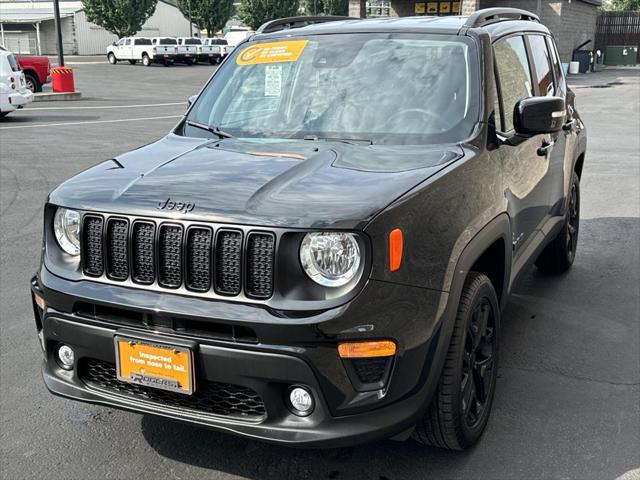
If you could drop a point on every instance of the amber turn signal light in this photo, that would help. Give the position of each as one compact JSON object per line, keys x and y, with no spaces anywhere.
{"x":378,"y":348}
{"x":39,"y":301}
{"x":395,"y":249}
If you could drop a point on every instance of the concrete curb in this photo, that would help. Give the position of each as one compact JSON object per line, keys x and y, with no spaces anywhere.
{"x":56,"y":96}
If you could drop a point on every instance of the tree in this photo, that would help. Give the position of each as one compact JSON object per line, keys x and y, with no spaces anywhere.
{"x":326,"y":7}
{"x":212,"y":15}
{"x":122,"y":17}
{"x":255,"y":12}
{"x":622,"y":5}
{"x":336,"y":7}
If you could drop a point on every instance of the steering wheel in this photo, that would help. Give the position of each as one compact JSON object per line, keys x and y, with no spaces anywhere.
{"x":420,"y":115}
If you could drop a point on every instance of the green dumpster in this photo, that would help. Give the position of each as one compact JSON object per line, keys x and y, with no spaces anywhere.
{"x":621,"y":55}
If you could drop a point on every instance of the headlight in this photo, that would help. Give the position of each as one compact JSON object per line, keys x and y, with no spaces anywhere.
{"x":331,"y":259}
{"x":66,"y":226}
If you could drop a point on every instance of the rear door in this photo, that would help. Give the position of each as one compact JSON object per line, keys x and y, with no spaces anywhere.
{"x":126,"y":50}
{"x":525,"y":170}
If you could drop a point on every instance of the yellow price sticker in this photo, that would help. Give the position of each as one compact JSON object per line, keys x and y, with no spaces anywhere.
{"x":432,"y":7}
{"x":271,"y":52}
{"x":419,"y":7}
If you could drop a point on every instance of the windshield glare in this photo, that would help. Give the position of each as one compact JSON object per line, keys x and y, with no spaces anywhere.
{"x":383,"y":88}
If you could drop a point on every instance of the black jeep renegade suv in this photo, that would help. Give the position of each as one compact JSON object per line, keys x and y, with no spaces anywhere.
{"x":319,"y":252}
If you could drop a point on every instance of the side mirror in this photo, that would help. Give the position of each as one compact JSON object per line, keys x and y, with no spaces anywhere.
{"x":536,"y":115}
{"x":191,"y":99}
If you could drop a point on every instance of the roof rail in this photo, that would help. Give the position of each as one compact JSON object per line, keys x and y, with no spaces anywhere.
{"x":493,"y":15}
{"x":297,"y":22}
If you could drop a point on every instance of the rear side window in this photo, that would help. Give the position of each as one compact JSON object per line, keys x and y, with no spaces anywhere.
{"x":13,"y":63}
{"x":514,"y":76}
{"x":192,"y":41}
{"x":168,"y":41}
{"x":542,"y":63}
{"x":557,"y":66}
{"x":142,"y":41}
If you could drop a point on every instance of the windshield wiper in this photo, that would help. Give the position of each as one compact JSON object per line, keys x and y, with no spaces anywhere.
{"x":350,"y":141}
{"x":212,"y":129}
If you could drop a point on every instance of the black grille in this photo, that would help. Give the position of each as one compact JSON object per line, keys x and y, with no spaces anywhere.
{"x":196,"y":257}
{"x":143,"y":252}
{"x":370,"y":370}
{"x":118,"y":249}
{"x":228,"y":262}
{"x":199,"y":259}
{"x":209,"y":397}
{"x":170,"y":256}
{"x":260,"y":248}
{"x":92,"y":246}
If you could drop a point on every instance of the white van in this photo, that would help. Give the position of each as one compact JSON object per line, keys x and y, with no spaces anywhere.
{"x":236,"y":35}
{"x":14,"y":93}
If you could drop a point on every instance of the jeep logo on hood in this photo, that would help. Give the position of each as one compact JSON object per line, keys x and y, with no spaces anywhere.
{"x":169,"y":204}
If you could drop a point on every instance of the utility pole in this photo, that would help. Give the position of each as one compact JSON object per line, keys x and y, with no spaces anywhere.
{"x":190,"y":21}
{"x":56,"y":14}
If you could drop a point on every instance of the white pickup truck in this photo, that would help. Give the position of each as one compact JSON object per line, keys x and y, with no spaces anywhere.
{"x":188,"y":50}
{"x":136,"y":49}
{"x":219,"y":48}
{"x":167,"y":47}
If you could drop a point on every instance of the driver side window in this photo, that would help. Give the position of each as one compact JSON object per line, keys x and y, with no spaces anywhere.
{"x":513,"y":77}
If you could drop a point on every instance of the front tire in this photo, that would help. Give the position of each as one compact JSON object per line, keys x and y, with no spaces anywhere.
{"x":461,"y":405}
{"x":112,"y":58}
{"x":558,"y":256}
{"x":146,"y":61}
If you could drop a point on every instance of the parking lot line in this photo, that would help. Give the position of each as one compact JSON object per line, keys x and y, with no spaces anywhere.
{"x":109,"y":106}
{"x":62,"y":124}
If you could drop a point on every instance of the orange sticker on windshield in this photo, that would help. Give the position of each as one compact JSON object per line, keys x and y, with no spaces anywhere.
{"x":271,"y":52}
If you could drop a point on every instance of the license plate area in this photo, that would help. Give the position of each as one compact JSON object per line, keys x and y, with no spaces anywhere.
{"x":154,"y":364}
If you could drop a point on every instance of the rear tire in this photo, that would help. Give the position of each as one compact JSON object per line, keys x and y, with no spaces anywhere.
{"x":112,"y":58}
{"x":558,"y":256}
{"x":461,"y":405}
{"x":146,"y":61}
{"x":32,"y":83}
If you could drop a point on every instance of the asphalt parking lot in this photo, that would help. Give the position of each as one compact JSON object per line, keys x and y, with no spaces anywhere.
{"x":568,"y":395}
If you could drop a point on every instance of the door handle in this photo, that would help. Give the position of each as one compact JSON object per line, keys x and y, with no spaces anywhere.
{"x":545,"y":148}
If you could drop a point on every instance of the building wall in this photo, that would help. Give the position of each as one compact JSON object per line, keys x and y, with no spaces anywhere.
{"x":167,"y":20}
{"x":48,"y":37}
{"x":571,"y":21}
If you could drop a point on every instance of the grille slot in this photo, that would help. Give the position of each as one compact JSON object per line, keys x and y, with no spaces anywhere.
{"x":199,"y":259}
{"x":170,"y":256}
{"x":370,"y":370}
{"x":228,"y":262}
{"x":117,"y":249}
{"x":143,"y":252}
{"x":212,"y":398}
{"x":260,"y":247}
{"x":92,"y":254}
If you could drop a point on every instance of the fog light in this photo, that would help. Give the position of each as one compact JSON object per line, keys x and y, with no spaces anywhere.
{"x":301,"y":401}
{"x":65,"y":357}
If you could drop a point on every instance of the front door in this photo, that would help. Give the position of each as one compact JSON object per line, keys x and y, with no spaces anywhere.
{"x":526,"y":162}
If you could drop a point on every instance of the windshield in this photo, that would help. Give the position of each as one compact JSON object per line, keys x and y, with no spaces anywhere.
{"x":379,"y":88}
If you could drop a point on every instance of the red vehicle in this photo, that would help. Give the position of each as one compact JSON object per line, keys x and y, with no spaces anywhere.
{"x":37,"y":71}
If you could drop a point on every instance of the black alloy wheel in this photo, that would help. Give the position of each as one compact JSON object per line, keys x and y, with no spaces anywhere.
{"x":460,"y":407}
{"x":559,"y":254}
{"x":477,"y":381}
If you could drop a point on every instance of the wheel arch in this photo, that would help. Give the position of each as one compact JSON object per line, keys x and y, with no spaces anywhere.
{"x":488,"y":252}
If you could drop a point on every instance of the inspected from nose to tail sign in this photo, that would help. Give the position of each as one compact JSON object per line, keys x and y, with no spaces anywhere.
{"x":300,"y":264}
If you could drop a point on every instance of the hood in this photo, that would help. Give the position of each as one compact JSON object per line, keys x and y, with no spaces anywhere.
{"x":296,"y":184}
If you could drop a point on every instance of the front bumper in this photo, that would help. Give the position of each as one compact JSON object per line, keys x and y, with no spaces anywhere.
{"x":285,"y":352}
